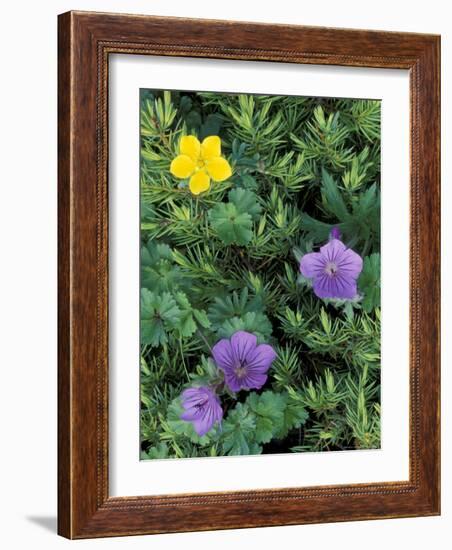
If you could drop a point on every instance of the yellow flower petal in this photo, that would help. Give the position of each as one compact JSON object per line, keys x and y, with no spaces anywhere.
{"x":182,"y":166}
{"x":190,"y":146}
{"x":219,"y":169}
{"x":199,"y":182}
{"x":211,"y":147}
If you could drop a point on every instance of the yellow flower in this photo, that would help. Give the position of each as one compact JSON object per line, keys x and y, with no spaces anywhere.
{"x":200,"y":162}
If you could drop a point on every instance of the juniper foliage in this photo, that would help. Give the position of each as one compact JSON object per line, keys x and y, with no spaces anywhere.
{"x":228,"y":260}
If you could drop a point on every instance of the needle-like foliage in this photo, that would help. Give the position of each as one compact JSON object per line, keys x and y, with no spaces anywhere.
{"x":228,"y":260}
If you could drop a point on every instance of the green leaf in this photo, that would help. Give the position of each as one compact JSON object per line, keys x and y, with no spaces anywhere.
{"x":238,"y":432}
{"x":185,"y":104}
{"x":332,"y":197}
{"x":254,"y":322}
{"x":193,"y":121}
{"x":369,"y":282}
{"x":231,"y":226}
{"x":158,"y":451}
{"x":245,"y":201}
{"x":368,"y":200}
{"x":360,"y":225}
{"x":248,"y":182}
{"x":158,"y":270}
{"x":295,"y":415}
{"x":211,"y":126}
{"x":186,"y":325}
{"x":269,"y":410}
{"x":159,"y":315}
{"x":232,"y":305}
{"x":316,"y":230}
{"x":201,"y":317}
{"x":206,"y":373}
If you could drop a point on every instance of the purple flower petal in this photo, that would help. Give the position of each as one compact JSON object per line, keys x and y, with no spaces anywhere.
{"x":255,"y":381}
{"x":223,"y":355}
{"x":350,"y":263}
{"x":192,"y":396}
{"x":242,"y":344}
{"x":204,"y":424}
{"x":202,"y":408}
{"x":191,"y":414}
{"x":312,"y":264}
{"x":233,"y":382}
{"x":338,"y":287}
{"x":201,"y":426}
{"x":261,"y":358}
{"x":333,"y":250}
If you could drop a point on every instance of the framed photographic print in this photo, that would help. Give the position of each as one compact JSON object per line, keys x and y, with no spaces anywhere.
{"x":248,"y":275}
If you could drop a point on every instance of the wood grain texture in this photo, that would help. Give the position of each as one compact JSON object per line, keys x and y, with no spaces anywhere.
{"x":85,"y":42}
{"x":64,"y":294}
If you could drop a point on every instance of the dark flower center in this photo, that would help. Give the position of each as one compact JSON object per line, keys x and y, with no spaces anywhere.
{"x":331,"y":269}
{"x":200,"y":404}
{"x":240,"y":370}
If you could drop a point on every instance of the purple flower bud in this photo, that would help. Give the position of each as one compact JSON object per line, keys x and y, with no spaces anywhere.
{"x":335,"y":233}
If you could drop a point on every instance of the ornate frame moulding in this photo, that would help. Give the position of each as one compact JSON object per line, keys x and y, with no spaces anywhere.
{"x":86,"y":40}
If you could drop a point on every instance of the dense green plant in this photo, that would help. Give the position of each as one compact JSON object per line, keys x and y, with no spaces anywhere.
{"x":228,"y":260}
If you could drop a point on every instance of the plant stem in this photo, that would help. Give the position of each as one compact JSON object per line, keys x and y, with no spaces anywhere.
{"x":204,"y":339}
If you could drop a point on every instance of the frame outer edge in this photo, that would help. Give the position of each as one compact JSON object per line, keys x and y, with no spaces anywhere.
{"x":433,"y":176}
{"x":64,"y":277}
{"x":438,"y":175}
{"x":426,"y":235}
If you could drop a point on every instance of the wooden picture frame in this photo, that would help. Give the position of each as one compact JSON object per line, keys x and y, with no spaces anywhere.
{"x":85,"y":42}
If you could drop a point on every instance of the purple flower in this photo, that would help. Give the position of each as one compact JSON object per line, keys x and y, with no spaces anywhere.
{"x":334,"y":270}
{"x":202,"y":408}
{"x":244,"y":363}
